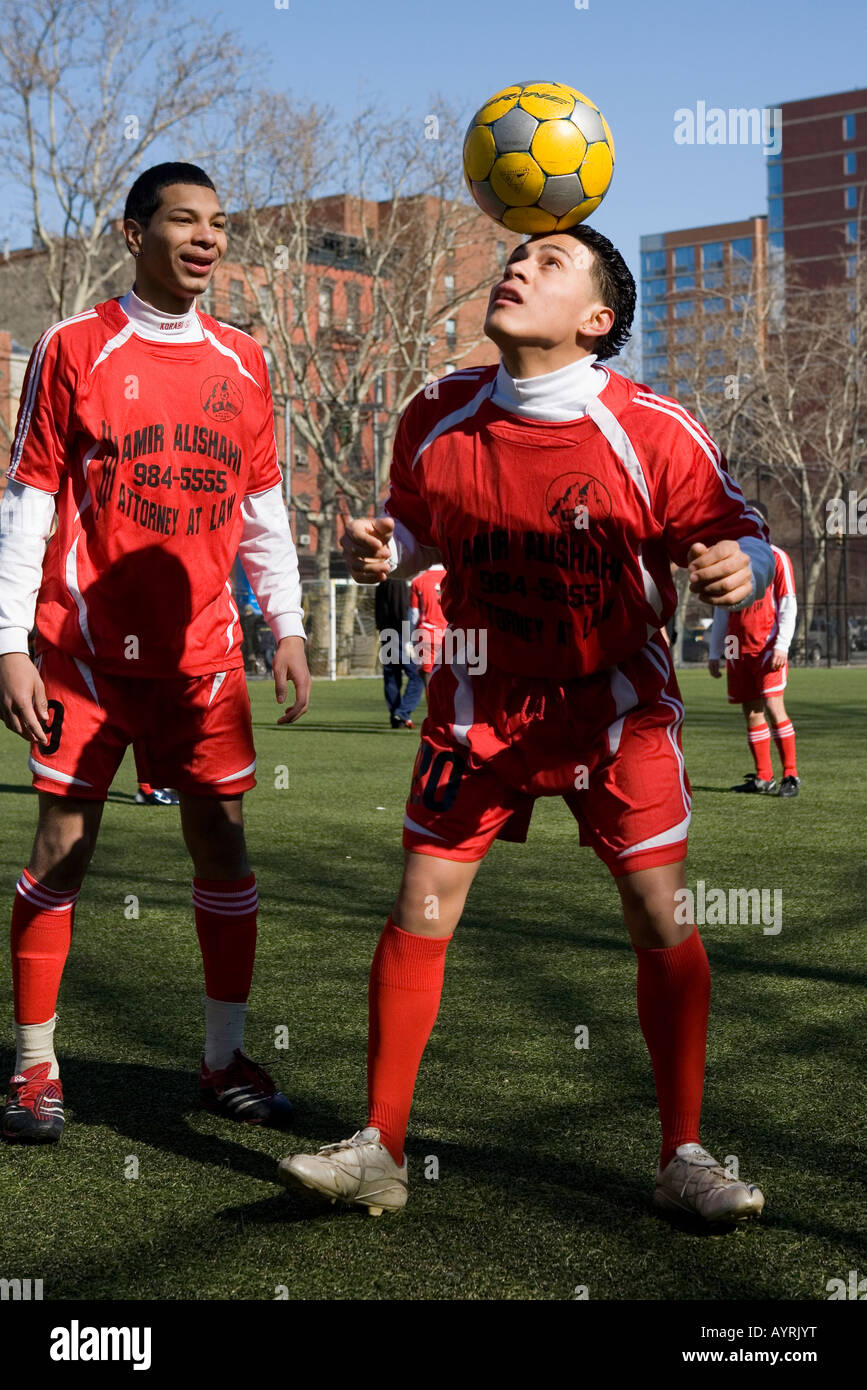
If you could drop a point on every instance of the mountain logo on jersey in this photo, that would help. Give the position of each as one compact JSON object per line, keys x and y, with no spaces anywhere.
{"x":221,"y":398}
{"x":573,"y":499}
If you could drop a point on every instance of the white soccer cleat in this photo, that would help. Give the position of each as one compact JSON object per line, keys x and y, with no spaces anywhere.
{"x":359,"y":1171}
{"x":694,"y":1182}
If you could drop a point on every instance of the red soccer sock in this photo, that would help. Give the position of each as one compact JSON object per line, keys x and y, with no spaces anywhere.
{"x":406,"y":981}
{"x":226,"y":927}
{"x":759,"y":739}
{"x":673,"y":1004}
{"x":784,"y":737}
{"x":40,"y":938}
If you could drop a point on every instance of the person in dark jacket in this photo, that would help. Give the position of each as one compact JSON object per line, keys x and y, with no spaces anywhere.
{"x":392,"y":620}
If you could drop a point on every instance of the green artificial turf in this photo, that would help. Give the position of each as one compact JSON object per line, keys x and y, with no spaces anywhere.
{"x":545,"y":1153}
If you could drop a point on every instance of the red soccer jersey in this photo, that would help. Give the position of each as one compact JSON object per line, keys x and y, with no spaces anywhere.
{"x":557,"y":537}
{"x":426,"y":598}
{"x":756,"y":627}
{"x":150,"y":449}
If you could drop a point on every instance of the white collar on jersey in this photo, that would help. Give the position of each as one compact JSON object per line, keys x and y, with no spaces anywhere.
{"x":560,"y":395}
{"x":158,"y":327}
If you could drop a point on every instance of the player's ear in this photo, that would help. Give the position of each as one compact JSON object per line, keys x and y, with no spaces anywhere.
{"x":132,"y":233}
{"x":598,"y":321}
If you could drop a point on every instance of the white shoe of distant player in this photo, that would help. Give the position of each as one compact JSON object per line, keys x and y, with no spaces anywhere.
{"x":694,"y":1182}
{"x":359,"y":1171}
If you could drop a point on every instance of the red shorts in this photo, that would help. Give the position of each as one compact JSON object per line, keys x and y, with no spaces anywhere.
{"x":751,"y":678}
{"x":193,"y":733}
{"x":428,"y":646}
{"x":609,"y":745}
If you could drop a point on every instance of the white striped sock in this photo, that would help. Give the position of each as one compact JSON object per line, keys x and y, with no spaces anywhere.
{"x":34,"y":1043}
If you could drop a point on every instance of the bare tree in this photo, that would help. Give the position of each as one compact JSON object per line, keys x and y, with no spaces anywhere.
{"x":349,"y":289}
{"x":88,"y":90}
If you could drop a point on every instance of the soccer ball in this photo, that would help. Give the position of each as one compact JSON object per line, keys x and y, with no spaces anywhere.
{"x":538,"y":157}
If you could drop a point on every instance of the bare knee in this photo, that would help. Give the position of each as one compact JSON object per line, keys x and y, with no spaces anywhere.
{"x":651,"y":900}
{"x":213,"y":831}
{"x":432,"y":894}
{"x":64,"y":843}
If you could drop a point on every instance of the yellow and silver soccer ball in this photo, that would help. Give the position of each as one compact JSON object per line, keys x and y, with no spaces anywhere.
{"x":538,"y":157}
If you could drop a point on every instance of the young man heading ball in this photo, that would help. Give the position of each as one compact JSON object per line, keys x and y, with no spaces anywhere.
{"x":556,"y":493}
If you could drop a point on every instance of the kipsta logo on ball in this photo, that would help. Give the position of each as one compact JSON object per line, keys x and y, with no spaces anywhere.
{"x":538,"y":157}
{"x":221,"y":398}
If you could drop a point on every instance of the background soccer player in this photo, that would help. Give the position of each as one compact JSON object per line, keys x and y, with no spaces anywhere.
{"x":556,"y":493}
{"x":427,"y":618}
{"x":756,"y":672}
{"x":391,"y":608}
{"x":148,"y":427}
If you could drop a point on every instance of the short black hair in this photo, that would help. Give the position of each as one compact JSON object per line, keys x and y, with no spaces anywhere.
{"x":143,"y":198}
{"x":615,"y":285}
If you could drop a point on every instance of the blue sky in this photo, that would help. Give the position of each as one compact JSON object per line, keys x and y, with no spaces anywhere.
{"x":639,"y":61}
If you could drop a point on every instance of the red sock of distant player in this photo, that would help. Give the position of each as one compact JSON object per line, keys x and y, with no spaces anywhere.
{"x":41,"y":934}
{"x":784,"y":737}
{"x":759,"y":739}
{"x":673,"y":1004}
{"x":406,"y":981}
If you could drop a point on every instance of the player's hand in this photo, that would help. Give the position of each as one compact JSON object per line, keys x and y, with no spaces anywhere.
{"x":713,"y":667}
{"x":290,"y":664}
{"x":778,"y":660}
{"x":365,"y":548}
{"x":720,"y":575}
{"x":23,"y":706}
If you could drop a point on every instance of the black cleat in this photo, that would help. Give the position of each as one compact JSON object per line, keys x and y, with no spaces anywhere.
{"x":243,"y":1091}
{"x":756,"y":786}
{"x":790,"y":786}
{"x":34,"y":1107}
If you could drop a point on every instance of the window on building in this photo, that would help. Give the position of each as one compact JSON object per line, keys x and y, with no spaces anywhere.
{"x":652,"y":314}
{"x":715,"y":358}
{"x":685,"y":362}
{"x":655,"y":341}
{"x":775,"y":214}
{"x":299,"y":456}
{"x":849,"y":127}
{"x":713,"y":332}
{"x":684,"y":309}
{"x":237,"y":308}
{"x":683,"y":388}
{"x":684,"y":282}
{"x":850,"y":197}
{"x":851,"y":233}
{"x":653,"y":290}
{"x":451,"y":333}
{"x":740,"y":302}
{"x":326,"y":303}
{"x":684,"y":335}
{"x":353,"y":308}
{"x":660,"y":384}
{"x":775,"y":178}
{"x":714,"y":305}
{"x":850,"y":163}
{"x":653,"y":262}
{"x":775,"y":244}
{"x":851,"y":266}
{"x":713,"y":279}
{"x":450,"y":286}
{"x":742,"y":248}
{"x":712,"y":254}
{"x":684,"y":258}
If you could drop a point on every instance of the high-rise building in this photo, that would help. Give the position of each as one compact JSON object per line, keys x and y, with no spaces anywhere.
{"x":817,"y":186}
{"x":696,"y":284}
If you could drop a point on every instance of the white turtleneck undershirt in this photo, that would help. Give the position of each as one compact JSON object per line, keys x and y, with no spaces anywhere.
{"x":157,"y":327}
{"x":560,"y":395}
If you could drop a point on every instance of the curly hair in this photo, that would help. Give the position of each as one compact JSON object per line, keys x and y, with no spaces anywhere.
{"x":616,"y":287}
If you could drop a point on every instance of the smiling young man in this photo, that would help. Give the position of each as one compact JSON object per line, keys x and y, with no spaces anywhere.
{"x":556,"y":494}
{"x":147,"y":428}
